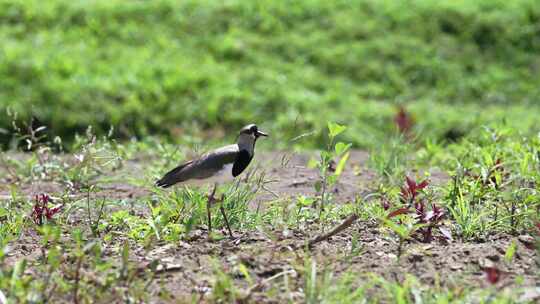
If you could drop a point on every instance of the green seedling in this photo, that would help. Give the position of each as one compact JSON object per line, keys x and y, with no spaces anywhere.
{"x":404,"y":231}
{"x":329,"y":171}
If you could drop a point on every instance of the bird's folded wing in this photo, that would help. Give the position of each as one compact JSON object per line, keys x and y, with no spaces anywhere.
{"x":202,"y":167}
{"x":214,"y":161}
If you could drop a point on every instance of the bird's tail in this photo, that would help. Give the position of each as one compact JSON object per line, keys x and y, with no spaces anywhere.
{"x":162,"y":183}
{"x":172,"y":177}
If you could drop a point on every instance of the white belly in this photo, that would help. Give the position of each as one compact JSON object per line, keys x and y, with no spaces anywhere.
{"x":220,"y":177}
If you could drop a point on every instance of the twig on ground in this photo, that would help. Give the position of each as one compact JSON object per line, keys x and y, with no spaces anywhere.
{"x":346,"y":224}
{"x":168,"y":268}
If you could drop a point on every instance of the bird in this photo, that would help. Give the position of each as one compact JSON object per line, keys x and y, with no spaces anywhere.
{"x":225,"y":162}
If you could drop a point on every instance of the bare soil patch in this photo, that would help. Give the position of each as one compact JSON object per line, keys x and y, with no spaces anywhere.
{"x":188,"y":265}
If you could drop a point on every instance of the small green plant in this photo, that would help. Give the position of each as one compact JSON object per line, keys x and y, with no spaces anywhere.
{"x":389,"y":159}
{"x":329,"y":169}
{"x":323,"y":286}
{"x":356,"y":248}
{"x":30,"y":136}
{"x":224,"y":288}
{"x":92,"y":157}
{"x":469,"y":219}
{"x":398,"y":292}
{"x":94,"y":220}
{"x":404,"y":230}
{"x":510,"y":252}
{"x":12,"y":220}
{"x":172,"y":216}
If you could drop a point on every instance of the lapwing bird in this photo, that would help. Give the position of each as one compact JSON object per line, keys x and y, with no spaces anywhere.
{"x":226,"y":162}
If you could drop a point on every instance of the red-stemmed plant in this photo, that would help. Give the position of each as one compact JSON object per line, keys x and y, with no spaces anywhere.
{"x":425,"y":217}
{"x":410,"y":191}
{"x":41,"y":209}
{"x":404,"y":121}
{"x":430,"y":219}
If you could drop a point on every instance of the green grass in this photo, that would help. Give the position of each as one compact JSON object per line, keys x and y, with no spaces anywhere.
{"x":166,"y":67}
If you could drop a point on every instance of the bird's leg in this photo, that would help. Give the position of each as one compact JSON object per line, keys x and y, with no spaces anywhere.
{"x":211,"y":200}
{"x":225,"y":216}
{"x":209,"y":219}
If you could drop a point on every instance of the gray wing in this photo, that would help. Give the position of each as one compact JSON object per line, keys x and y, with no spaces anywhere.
{"x":200,"y":168}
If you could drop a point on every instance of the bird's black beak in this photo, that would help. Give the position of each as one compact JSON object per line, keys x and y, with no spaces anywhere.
{"x":259,"y":133}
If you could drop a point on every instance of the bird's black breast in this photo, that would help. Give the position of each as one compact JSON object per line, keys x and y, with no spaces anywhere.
{"x":241,"y":162}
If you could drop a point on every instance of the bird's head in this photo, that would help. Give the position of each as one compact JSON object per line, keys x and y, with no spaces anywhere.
{"x":250,"y":133}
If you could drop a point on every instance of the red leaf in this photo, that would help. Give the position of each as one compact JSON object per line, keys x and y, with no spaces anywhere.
{"x":420,"y":209}
{"x":398,"y":212}
{"x":403,"y":120}
{"x":404,"y":194}
{"x":437,"y":212}
{"x":411,"y":189}
{"x":43,"y":198}
{"x":410,"y":183}
{"x":49,"y":213}
{"x":422,"y":185}
{"x":37,"y":213}
{"x":493,"y":275}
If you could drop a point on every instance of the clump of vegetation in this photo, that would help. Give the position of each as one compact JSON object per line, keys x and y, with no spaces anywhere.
{"x":493,"y":183}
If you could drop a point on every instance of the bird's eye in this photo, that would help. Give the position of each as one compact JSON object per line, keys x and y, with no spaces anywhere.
{"x":253,"y":129}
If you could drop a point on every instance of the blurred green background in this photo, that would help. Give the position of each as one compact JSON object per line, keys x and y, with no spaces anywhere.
{"x":171,"y":68}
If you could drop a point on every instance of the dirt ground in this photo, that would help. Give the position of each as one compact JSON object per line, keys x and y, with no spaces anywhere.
{"x":188,"y":270}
